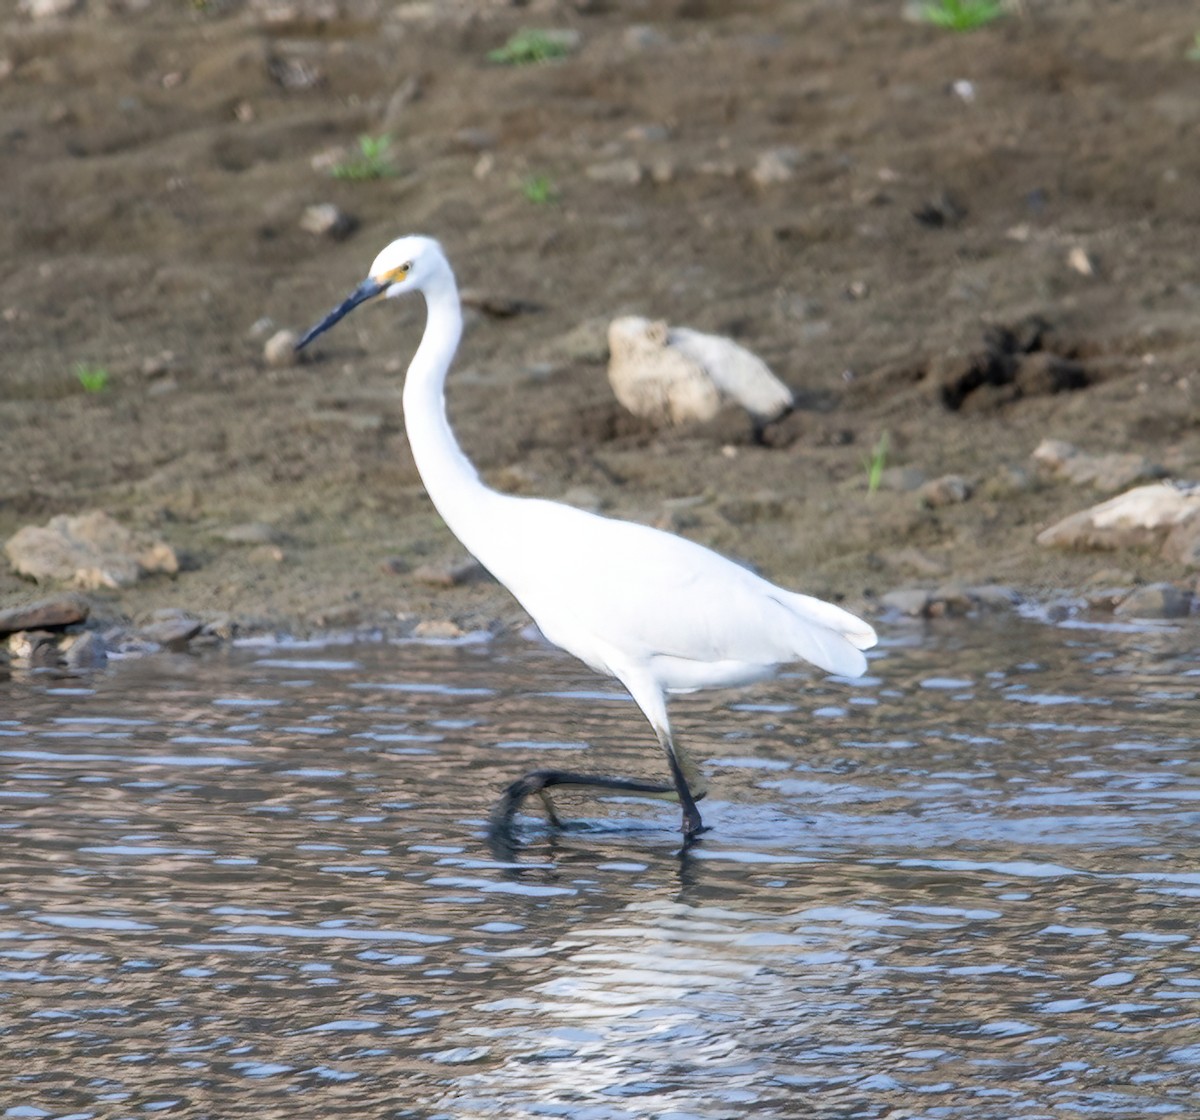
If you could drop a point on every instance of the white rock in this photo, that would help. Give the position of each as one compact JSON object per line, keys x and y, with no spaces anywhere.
{"x":626,"y":172}
{"x":678,"y":375}
{"x":280,"y":349}
{"x":48,"y":9}
{"x":777,"y":165}
{"x":1143,"y":515}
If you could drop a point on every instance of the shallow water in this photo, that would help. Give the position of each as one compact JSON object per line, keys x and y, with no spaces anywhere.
{"x":257,"y":884}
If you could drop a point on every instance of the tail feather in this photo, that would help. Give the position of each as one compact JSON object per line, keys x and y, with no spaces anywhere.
{"x":831,"y":638}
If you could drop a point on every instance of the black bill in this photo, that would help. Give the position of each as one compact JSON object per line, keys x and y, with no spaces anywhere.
{"x":368,"y":289}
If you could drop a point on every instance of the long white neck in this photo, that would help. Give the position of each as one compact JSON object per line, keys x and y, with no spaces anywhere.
{"x":451,"y":481}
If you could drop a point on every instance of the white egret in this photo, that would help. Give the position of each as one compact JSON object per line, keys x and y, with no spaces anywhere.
{"x":659,"y":613}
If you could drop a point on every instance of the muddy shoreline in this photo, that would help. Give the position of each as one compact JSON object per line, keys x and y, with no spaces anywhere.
{"x":927,"y":196}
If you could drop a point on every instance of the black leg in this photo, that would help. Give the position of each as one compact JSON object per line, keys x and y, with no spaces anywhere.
{"x":538,"y":781}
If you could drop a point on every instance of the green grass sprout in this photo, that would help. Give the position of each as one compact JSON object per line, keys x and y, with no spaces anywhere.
{"x":529,"y":46}
{"x":94,"y":379}
{"x":875,"y":462}
{"x":1194,"y":50}
{"x":539,"y":189}
{"x":961,"y":15}
{"x":374,"y":160}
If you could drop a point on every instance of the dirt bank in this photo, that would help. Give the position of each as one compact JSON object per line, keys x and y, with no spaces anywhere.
{"x":860,"y":198}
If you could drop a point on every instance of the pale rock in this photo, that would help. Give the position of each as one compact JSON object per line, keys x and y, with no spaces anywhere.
{"x":248,"y":533}
{"x":83,"y":651}
{"x":675,"y":375}
{"x":950,"y":489}
{"x":324,"y":219}
{"x":280,"y":349}
{"x":89,"y":550}
{"x":912,"y":601}
{"x":903,"y":479}
{"x":45,"y":614}
{"x":48,"y":9}
{"x":451,"y":574}
{"x":1106,"y":473}
{"x":1146,"y":515}
{"x":623,"y":172}
{"x":1156,"y":600}
{"x":777,"y":165}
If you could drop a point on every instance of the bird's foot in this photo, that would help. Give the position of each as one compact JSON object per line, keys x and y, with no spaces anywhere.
{"x":541,"y":781}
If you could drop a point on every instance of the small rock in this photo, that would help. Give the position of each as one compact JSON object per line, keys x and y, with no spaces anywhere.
{"x":994,"y":596}
{"x":34,"y":649}
{"x":1106,"y":473}
{"x":917,"y":561}
{"x":265,"y":555}
{"x":950,"y":599}
{"x":1079,"y":261}
{"x":648,"y":133}
{"x":950,"y":489}
{"x":663,"y":170}
{"x":914,"y":601}
{"x":48,"y":9}
{"x":452,"y":574}
{"x":1156,"y":600}
{"x":159,"y":365}
{"x":586,"y":342}
{"x":625,"y":172}
{"x":252,"y":532}
{"x":280,"y":349}
{"x":642,"y":37}
{"x":84,"y":651}
{"x":903,"y":479}
{"x":172,"y":633}
{"x":437,"y":629}
{"x":90,"y":550}
{"x":778,"y":165}
{"x":1183,"y":542}
{"x":475,"y":139}
{"x":325,"y":220}
{"x":45,"y":614}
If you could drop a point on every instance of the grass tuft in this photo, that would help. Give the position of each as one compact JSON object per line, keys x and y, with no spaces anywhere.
{"x":539,"y":190}
{"x":374,"y":160}
{"x":875,"y":463}
{"x":961,"y":15}
{"x":529,"y":46}
{"x":94,"y":379}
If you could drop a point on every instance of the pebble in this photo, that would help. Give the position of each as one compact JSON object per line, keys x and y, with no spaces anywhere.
{"x":250,"y":532}
{"x":950,"y":489}
{"x":173,"y":631}
{"x":324,"y":219}
{"x":48,"y":9}
{"x":950,"y":599}
{"x":586,"y":342}
{"x":45,"y":614}
{"x":280,"y":349}
{"x":454,"y":573}
{"x":1156,"y":600}
{"x":87,"y":650}
{"x":1106,"y":473}
{"x":777,"y":165}
{"x":903,"y":479}
{"x":623,"y":172}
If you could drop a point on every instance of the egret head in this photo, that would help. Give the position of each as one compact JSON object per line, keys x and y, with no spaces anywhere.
{"x":408,"y":264}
